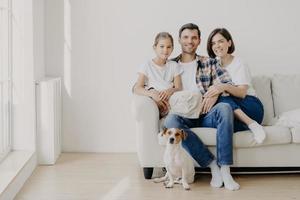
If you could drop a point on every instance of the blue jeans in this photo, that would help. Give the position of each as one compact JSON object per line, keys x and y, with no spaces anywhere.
{"x":219,"y":117}
{"x":250,"y":105}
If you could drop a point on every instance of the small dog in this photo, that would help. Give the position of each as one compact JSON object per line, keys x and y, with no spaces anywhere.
{"x":179,"y":164}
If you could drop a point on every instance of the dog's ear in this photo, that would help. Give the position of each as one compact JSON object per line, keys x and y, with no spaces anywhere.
{"x":183,"y":134}
{"x":164,"y":131}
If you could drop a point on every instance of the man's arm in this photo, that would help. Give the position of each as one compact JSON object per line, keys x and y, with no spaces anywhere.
{"x":219,"y":74}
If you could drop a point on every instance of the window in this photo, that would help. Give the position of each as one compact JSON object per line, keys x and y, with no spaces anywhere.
{"x":5,"y":77}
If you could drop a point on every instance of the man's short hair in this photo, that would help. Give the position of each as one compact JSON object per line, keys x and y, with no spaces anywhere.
{"x":190,"y":26}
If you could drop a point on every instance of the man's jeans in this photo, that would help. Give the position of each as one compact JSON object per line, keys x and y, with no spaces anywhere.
{"x":221,"y":118}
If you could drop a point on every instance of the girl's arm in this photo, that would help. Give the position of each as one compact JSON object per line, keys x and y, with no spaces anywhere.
{"x":177,"y":85}
{"x":140,"y":89}
{"x":166,"y":94}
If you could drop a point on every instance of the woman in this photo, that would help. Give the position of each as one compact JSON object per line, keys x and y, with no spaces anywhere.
{"x":247,"y":108}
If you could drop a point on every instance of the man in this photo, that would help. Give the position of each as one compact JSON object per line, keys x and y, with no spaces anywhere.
{"x":199,"y":74}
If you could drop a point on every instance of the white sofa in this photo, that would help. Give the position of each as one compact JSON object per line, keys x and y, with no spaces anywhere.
{"x":280,"y":150}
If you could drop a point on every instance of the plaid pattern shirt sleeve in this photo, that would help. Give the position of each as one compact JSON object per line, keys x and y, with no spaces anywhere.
{"x":209,"y":72}
{"x":220,"y":75}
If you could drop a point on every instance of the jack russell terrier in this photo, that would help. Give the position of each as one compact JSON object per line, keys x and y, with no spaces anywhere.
{"x":179,"y":164}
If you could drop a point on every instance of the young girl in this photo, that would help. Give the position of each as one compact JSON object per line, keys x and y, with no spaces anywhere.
{"x":247,"y":107}
{"x":159,"y":77}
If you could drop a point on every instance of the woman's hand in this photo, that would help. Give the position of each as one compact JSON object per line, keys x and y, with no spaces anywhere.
{"x":215,"y":90}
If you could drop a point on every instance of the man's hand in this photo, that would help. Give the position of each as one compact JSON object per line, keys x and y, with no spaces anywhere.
{"x":208,"y":103}
{"x":215,"y":90}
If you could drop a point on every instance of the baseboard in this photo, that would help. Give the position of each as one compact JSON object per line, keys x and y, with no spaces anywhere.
{"x":21,"y":171}
{"x":255,"y":170}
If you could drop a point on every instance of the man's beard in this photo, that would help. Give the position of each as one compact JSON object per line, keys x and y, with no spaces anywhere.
{"x":190,"y":52}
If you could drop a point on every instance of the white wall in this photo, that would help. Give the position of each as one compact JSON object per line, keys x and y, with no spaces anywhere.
{"x":23,"y":107}
{"x":38,"y":10}
{"x":96,"y":45}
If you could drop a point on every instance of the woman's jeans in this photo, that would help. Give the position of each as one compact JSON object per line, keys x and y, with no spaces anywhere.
{"x":219,"y":117}
{"x":250,"y":105}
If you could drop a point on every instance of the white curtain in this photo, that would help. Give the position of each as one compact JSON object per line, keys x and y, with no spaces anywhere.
{"x":5,"y":77}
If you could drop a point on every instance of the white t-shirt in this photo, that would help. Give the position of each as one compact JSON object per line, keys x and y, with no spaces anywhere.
{"x":188,"y":76}
{"x":240,"y":74}
{"x":160,"y":77}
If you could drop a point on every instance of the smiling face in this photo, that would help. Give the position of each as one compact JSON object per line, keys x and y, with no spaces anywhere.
{"x":163,"y":48}
{"x":220,"y":45}
{"x":189,"y":41}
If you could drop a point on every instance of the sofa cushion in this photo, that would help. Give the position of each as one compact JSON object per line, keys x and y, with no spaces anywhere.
{"x":244,"y":139}
{"x":286,"y":93}
{"x":262,"y":86}
{"x":295,"y":134}
{"x":289,"y":119}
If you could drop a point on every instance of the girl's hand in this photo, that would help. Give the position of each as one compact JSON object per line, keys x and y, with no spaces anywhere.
{"x":165,"y":94}
{"x":215,"y":90}
{"x":155,"y":95}
{"x":163,"y":107}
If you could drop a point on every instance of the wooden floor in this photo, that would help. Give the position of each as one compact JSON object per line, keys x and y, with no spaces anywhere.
{"x":118,"y":176}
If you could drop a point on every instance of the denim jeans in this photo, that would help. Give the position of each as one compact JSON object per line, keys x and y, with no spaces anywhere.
{"x":219,"y":117}
{"x":250,"y":105}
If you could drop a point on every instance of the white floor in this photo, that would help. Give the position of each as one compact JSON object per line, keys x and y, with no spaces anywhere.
{"x":83,"y":176}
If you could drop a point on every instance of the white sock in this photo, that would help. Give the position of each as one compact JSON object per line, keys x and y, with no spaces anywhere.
{"x":258,"y":131}
{"x":229,"y":183}
{"x":216,"y":179}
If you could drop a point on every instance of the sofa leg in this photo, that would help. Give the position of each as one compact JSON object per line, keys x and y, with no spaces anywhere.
{"x":148,"y":172}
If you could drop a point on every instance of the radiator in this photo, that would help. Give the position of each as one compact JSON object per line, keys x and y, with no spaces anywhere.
{"x":48,"y":98}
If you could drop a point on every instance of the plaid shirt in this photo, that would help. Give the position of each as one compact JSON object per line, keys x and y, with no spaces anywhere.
{"x":209,"y":72}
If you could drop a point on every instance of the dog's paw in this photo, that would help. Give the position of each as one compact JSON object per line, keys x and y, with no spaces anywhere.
{"x":169,"y":185}
{"x":160,"y":179}
{"x":157,"y":180}
{"x":186,"y":186}
{"x":178,"y":181}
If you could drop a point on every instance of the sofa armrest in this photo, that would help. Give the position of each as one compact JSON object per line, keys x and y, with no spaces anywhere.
{"x":144,"y":107}
{"x":146,"y":116}
{"x":296,"y":134}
